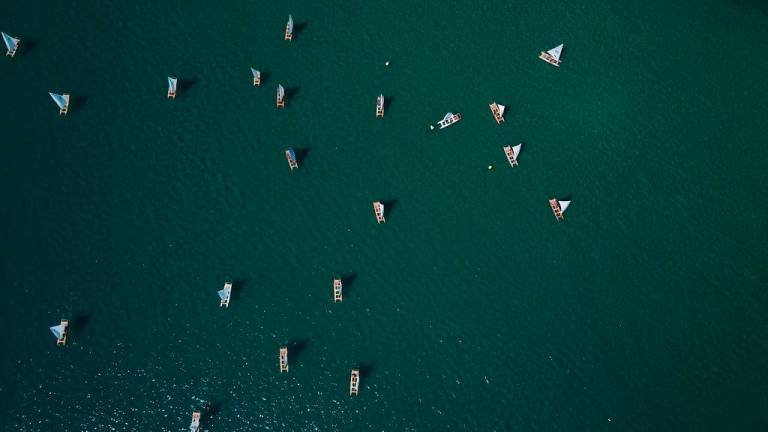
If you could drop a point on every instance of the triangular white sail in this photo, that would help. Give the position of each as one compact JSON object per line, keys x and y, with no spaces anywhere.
{"x":380,"y":99}
{"x":563,"y":205}
{"x":381,"y":208}
{"x":280,"y":92}
{"x":555,"y":52}
{"x":10,"y":42}
{"x":223,"y":293}
{"x":256,"y":74}
{"x":58,"y":331}
{"x":172,"y":84}
{"x":61,"y":100}
{"x":516,"y":150}
{"x":501,"y":109}
{"x":289,"y":26}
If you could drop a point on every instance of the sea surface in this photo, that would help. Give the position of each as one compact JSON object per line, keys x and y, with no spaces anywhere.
{"x":471,"y":308}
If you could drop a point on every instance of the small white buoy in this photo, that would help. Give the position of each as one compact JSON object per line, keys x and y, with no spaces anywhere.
{"x":386,"y":63}
{"x":431,"y":127}
{"x":490,"y":167}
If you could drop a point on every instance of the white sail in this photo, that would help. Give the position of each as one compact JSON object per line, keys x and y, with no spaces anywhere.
{"x":381,"y":209}
{"x":501,"y":109}
{"x":563,"y":205}
{"x":256,"y":74}
{"x":555,"y":52}
{"x":172,"y":84}
{"x":10,"y":42}
{"x":223,"y":293}
{"x":58,"y":331}
{"x":61,"y":100}
{"x":280,"y":92}
{"x":516,"y":150}
{"x":289,"y":26}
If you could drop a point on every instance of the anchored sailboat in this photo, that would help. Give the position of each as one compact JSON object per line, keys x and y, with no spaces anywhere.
{"x":290,"y":155}
{"x":289,"y":28}
{"x":225,"y":294}
{"x":11,"y":43}
{"x":62,"y":101}
{"x":60,"y":331}
{"x":195,"y":425}
{"x":378,"y":210}
{"x":558,"y":207}
{"x":256,"y":77}
{"x":552,"y":56}
{"x":380,"y":106}
{"x":512,"y":153}
{"x":498,"y":112}
{"x":449,"y":119}
{"x":280,"y":96}
{"x":172,"y":87}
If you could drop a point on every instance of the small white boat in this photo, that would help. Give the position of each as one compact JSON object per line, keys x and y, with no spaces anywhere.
{"x":225,"y":294}
{"x":558,"y":207}
{"x":552,"y":56}
{"x":512,"y":152}
{"x":289,"y":28}
{"x":62,"y":101}
{"x":498,"y":112}
{"x":172,"y":87}
{"x":256,"y":77}
{"x":11,"y":43}
{"x":449,"y":119}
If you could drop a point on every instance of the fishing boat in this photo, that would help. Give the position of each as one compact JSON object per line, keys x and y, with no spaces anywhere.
{"x":337,"y":287}
{"x":280,"y":96}
{"x":449,"y":119}
{"x":380,"y":106}
{"x":283,"y":359}
{"x":558,"y":207}
{"x":195,"y":425}
{"x":256,"y":77}
{"x":62,"y":101}
{"x":172,"y":87}
{"x":498,"y":112}
{"x":552,"y":56}
{"x":378,"y":210}
{"x":60,"y":331}
{"x":289,"y":28}
{"x":225,"y":294}
{"x":11,"y":43}
{"x":512,"y":153}
{"x":290,"y":155}
{"x":354,"y":382}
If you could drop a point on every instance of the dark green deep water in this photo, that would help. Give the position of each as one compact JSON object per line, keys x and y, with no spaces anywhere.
{"x":471,"y":309}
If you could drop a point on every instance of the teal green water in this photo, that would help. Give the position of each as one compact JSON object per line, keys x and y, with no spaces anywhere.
{"x":471,"y":309}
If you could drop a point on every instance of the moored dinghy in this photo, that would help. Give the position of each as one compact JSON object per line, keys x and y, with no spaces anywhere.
{"x":60,"y":331}
{"x":498,"y":112}
{"x":11,"y":43}
{"x":62,"y":101}
{"x":172,"y":87}
{"x":552,"y":56}
{"x":280,"y":96}
{"x":225,"y":294}
{"x":380,"y":106}
{"x":290,"y":155}
{"x":194,"y":426}
{"x":449,"y":119}
{"x":378,"y":210}
{"x":512,"y":153}
{"x":256,"y":77}
{"x":558,"y":207}
{"x":289,"y":28}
